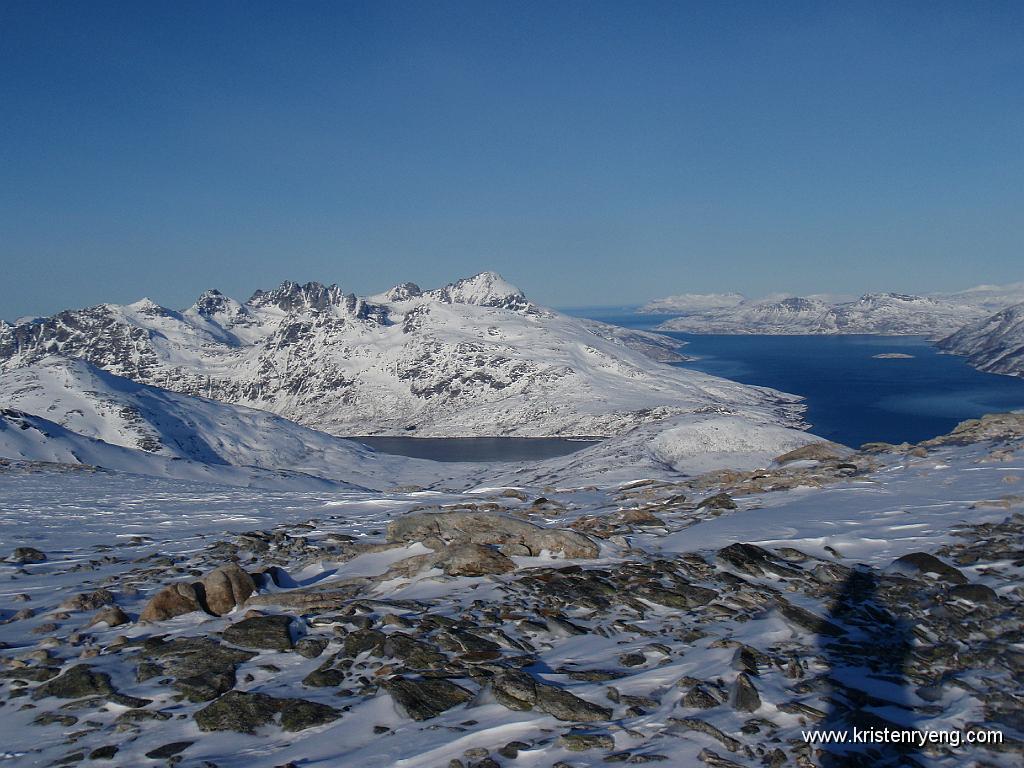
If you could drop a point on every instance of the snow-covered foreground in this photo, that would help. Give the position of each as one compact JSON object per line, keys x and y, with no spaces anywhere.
{"x":651,"y":636}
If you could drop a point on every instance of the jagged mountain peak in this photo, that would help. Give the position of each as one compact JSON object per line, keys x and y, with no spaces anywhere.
{"x":485,"y":289}
{"x":292,"y":297}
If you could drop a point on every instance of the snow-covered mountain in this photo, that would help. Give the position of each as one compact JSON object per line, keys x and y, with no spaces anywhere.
{"x":93,"y":403}
{"x":891,"y":314}
{"x":691,"y":302}
{"x":995,"y":344}
{"x":474,"y":357}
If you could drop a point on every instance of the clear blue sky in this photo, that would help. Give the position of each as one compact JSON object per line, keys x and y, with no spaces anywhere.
{"x":594,"y":153}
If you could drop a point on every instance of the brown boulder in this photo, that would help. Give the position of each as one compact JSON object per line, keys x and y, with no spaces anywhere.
{"x":173,"y":600}
{"x":226,"y":587}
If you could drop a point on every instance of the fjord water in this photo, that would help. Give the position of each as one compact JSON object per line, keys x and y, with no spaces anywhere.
{"x":476,"y":448}
{"x":852,"y":396}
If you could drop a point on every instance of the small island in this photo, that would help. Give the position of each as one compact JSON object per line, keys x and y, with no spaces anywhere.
{"x":893,"y":356}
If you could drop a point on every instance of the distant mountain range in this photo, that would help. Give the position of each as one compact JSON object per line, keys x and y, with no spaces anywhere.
{"x":473,"y":358}
{"x":893,"y":314}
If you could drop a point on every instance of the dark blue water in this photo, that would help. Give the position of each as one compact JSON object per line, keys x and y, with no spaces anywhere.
{"x":476,"y":448}
{"x":851,"y":396}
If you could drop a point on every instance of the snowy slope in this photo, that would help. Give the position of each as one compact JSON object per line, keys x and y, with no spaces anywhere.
{"x":995,"y":344}
{"x":25,"y":437}
{"x":94,"y":403}
{"x":472,"y":358}
{"x":891,"y":314}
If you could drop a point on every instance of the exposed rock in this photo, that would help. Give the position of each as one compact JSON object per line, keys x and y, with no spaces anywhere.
{"x":423,"y":699}
{"x":26,"y":555}
{"x":271,"y":633}
{"x":299,"y":714}
{"x":489,"y":528}
{"x":238,"y":711}
{"x":581,"y":741}
{"x":246,"y":712}
{"x":519,"y":690}
{"x":173,"y":600}
{"x":472,"y":560}
{"x":203,"y":668}
{"x":88,"y":601}
{"x":169,"y":750}
{"x":820,"y":451}
{"x":416,"y":653}
{"x":77,"y":683}
{"x":111,"y":615}
{"x":743,"y":696}
{"x":310,"y":647}
{"x":755,"y":560}
{"x":917,"y":564}
{"x":226,"y":587}
{"x":699,"y":697}
{"x":680,"y":596}
{"x":974,"y":593}
{"x":718,"y":501}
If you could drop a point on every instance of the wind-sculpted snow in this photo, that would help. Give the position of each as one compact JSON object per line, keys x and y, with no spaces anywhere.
{"x":473,"y":358}
{"x":995,"y":344}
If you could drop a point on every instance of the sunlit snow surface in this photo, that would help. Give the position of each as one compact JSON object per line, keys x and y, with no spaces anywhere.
{"x":910,"y":505}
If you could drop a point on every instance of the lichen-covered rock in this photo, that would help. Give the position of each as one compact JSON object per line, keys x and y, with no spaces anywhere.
{"x":271,"y":633}
{"x":520,"y":691}
{"x":78,"y":682}
{"x":425,"y":698}
{"x":247,"y":712}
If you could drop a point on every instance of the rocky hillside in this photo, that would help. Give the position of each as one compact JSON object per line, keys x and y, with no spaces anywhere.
{"x":995,"y":344}
{"x":710,"y":621}
{"x":475,"y":357}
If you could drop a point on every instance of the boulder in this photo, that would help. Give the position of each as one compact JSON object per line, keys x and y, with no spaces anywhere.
{"x":743,"y":696}
{"x":173,"y":600}
{"x":219,"y":592}
{"x":426,"y":698}
{"x":111,"y":615}
{"x":226,"y":587}
{"x":490,"y":528}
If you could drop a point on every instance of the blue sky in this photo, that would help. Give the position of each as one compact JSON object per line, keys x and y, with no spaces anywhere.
{"x":594,"y":153}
